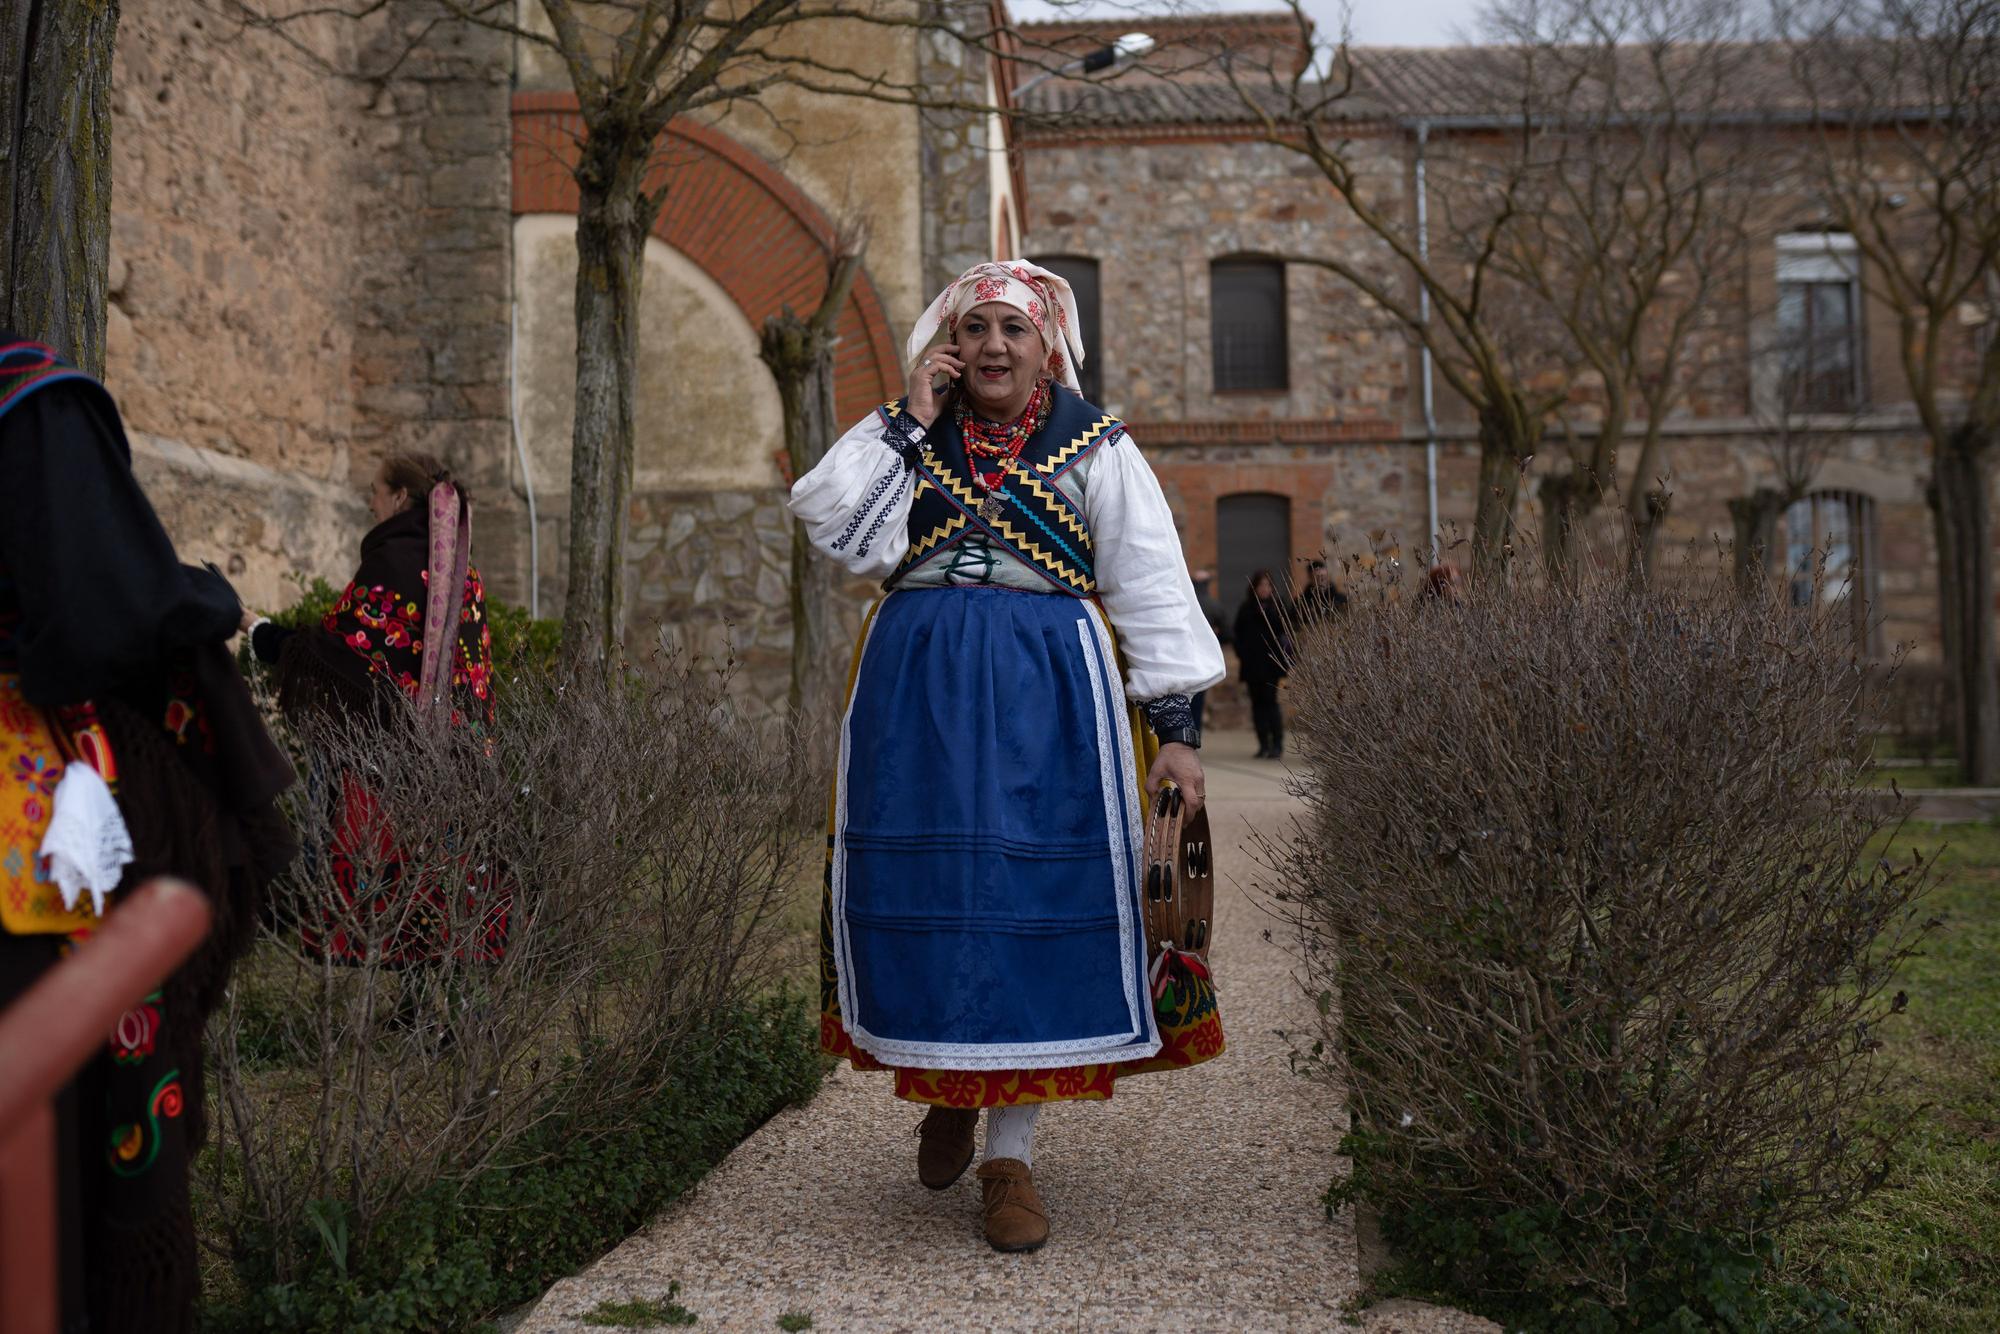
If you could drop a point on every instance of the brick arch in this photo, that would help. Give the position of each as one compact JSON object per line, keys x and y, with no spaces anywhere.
{"x":732,"y":213}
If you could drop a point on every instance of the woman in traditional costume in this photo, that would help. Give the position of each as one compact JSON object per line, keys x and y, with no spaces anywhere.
{"x":374,"y":661}
{"x":134,"y":750}
{"x":982,"y":933}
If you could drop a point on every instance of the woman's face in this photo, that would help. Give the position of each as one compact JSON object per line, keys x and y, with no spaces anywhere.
{"x":1002,"y":353}
{"x":1262,"y":588}
{"x":383,"y":502}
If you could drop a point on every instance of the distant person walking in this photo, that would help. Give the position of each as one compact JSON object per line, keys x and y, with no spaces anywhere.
{"x":1263,"y":655}
{"x":1322,"y":600}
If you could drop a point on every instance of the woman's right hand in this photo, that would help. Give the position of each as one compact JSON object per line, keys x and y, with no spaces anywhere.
{"x":925,"y":402}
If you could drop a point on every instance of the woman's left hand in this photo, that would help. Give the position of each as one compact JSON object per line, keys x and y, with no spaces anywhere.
{"x":1181,"y":765}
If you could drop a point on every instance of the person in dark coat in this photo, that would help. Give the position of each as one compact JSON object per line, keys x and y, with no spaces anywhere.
{"x":1263,"y":656}
{"x":126,"y":719}
{"x":1322,"y":600}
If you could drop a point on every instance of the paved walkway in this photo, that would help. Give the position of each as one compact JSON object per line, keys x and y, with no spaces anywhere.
{"x":1189,"y":1201}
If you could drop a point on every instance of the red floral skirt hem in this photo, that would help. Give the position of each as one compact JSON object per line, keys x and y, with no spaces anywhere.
{"x":1190,"y":1033}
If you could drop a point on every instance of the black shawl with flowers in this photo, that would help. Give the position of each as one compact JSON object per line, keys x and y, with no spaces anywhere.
{"x":374,"y":635}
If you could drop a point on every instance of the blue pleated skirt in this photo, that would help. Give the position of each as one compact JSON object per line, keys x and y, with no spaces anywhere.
{"x":986,"y":838}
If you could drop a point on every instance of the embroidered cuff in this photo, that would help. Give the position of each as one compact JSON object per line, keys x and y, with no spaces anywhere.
{"x":905,"y":435}
{"x":1170,"y":713}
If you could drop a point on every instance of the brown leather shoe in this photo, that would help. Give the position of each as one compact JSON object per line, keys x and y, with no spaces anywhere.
{"x":944,"y":1148}
{"x":1015,"y":1219}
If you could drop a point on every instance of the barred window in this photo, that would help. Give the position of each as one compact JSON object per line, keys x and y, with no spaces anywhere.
{"x":1081,"y":274}
{"x":1247,"y":324}
{"x":1819,"y":322}
{"x":1830,"y":554}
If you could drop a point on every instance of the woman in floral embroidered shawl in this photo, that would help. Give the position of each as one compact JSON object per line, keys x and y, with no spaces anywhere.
{"x":372,"y":659}
{"x":1018,"y":695}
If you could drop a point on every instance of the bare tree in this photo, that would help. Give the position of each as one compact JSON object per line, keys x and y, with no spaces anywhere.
{"x":1573,"y":223}
{"x":636,"y":66}
{"x":1796,"y":434}
{"x":1631,"y":231}
{"x":1449,"y":294}
{"x":1905,"y":156}
{"x":55,"y":173}
{"x":799,"y":352}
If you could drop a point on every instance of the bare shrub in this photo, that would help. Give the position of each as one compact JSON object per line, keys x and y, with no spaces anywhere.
{"x":1583,"y":890}
{"x":545,"y":917}
{"x":1913,"y":712}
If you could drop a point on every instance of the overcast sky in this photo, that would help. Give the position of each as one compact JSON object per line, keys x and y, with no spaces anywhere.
{"x":1376,"y":22}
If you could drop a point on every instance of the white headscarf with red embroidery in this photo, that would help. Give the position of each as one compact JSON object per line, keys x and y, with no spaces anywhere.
{"x":1042,"y":296}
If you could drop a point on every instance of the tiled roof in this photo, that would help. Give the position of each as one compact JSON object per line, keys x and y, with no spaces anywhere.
{"x":1408,"y":83}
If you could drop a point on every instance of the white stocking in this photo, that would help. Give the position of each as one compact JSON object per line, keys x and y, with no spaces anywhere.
{"x":1010,"y":1133}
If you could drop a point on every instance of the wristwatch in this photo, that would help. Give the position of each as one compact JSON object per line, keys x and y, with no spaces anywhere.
{"x":1172,"y":720}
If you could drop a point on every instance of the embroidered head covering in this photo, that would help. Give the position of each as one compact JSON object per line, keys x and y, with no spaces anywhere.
{"x":1044,"y":297}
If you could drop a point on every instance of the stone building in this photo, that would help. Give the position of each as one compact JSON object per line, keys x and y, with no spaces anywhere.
{"x":310,"y":269}
{"x":1284,"y":412}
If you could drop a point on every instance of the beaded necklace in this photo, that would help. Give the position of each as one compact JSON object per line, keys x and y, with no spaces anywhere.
{"x":1003,"y":441}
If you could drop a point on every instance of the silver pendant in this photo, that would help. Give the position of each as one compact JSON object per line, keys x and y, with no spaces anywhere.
{"x":989,"y":508}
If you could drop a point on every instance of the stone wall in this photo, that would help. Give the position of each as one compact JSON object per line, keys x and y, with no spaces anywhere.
{"x":1156,"y":214}
{"x":432,"y":305}
{"x":307,"y":270}
{"x":958,"y":149}
{"x":711,"y":581}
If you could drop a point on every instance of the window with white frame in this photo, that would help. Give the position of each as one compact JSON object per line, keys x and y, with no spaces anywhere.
{"x":1819,"y":322}
{"x":1830,"y":555}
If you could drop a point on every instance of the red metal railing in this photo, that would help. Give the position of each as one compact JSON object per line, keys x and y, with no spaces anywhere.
{"x":45,"y":1038}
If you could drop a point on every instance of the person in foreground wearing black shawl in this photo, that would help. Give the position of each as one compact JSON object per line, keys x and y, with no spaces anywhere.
{"x":372,"y":662}
{"x":135,"y":751}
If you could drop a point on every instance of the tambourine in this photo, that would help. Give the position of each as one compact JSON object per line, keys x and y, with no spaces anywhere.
{"x":1178,"y":896}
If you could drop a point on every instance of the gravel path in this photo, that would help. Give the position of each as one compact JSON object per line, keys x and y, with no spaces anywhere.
{"x":1189,"y":1201}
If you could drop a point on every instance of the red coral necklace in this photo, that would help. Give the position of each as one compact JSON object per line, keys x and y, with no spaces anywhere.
{"x":1002,"y":441}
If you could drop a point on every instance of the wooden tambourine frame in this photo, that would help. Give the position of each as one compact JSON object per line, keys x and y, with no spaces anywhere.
{"x":1178,"y":893}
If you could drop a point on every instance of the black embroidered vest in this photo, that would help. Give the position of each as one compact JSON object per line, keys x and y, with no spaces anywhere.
{"x":1037,"y":523}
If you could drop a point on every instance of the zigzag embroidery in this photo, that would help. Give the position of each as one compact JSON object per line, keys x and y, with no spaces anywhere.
{"x":1053,"y":537}
{"x":943,"y":533}
{"x":1060,"y":504}
{"x":1018,"y":539}
{"x":1059,"y":460}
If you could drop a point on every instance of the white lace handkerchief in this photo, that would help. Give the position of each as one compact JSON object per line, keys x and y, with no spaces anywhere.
{"x":87,"y":845}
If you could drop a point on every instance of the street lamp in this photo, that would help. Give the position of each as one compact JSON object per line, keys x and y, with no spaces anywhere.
{"x":1126,"y":49}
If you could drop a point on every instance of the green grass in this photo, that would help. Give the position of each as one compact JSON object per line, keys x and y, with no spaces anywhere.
{"x":642,"y":1314}
{"x":794,"y":1321}
{"x":1923,"y":1255}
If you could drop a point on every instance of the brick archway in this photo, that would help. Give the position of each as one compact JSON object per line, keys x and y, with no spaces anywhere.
{"x":739,"y":219}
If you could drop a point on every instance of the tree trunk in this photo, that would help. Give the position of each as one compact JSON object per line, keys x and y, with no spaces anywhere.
{"x":1505,"y":446}
{"x":1647,"y":520}
{"x":1965,"y":591}
{"x":1567,"y":499}
{"x":1755,"y":520}
{"x":55,"y":173}
{"x":611,"y":227}
{"x":802,"y":361}
{"x":1947,"y":617}
{"x":800,"y":355}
